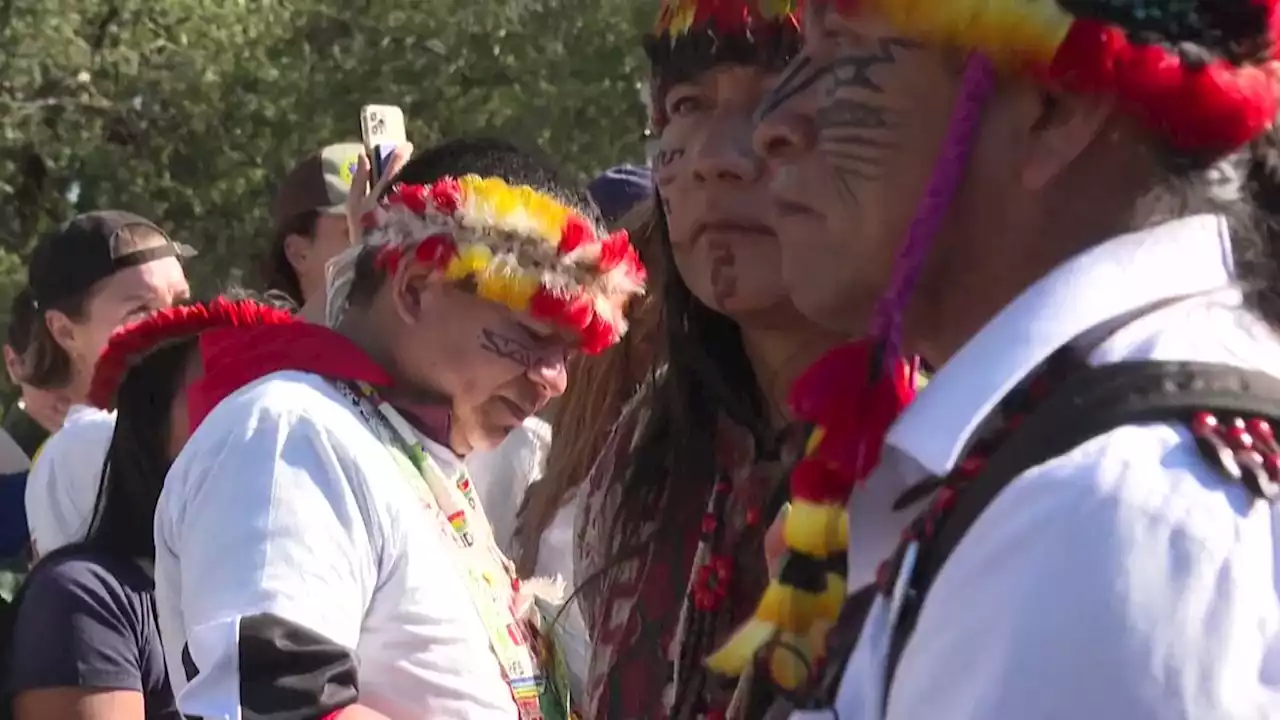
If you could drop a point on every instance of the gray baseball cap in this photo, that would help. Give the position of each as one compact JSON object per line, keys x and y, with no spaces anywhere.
{"x":319,"y":183}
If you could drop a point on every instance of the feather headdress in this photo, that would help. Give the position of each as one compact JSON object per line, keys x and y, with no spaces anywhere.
{"x":515,"y":245}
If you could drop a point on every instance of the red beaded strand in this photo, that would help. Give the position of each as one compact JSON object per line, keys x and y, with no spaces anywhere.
{"x":1245,"y":448}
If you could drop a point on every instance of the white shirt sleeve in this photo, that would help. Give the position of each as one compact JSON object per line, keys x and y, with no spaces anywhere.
{"x":502,"y":476}
{"x":1102,"y":589}
{"x":264,"y":513}
{"x":62,"y":487}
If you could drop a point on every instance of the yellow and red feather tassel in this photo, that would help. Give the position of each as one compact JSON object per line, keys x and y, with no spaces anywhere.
{"x":851,"y":415}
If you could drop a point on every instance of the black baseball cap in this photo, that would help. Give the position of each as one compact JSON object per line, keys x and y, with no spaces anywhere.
{"x":92,"y":247}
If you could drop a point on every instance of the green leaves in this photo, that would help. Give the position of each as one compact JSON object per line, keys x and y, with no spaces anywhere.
{"x":189,"y":111}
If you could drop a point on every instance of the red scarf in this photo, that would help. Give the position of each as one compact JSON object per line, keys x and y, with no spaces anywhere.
{"x":236,"y":357}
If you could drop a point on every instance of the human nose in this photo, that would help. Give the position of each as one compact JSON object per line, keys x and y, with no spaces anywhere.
{"x":785,"y":121}
{"x":783,"y":135}
{"x":550,"y":374}
{"x":726,"y":154}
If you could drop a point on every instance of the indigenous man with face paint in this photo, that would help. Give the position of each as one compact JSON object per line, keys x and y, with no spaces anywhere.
{"x":676,"y":510}
{"x":320,"y":549}
{"x":1052,"y":202}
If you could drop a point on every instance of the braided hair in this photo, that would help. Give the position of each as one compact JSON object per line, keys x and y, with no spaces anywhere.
{"x":140,"y":375}
{"x":138,"y":456}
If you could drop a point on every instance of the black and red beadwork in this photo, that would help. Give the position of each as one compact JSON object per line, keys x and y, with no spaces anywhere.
{"x":1244,"y":448}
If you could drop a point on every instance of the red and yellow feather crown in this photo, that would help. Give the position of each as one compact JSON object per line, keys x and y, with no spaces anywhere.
{"x":691,"y":36}
{"x":678,"y":17}
{"x":516,"y":246}
{"x":1132,"y":50}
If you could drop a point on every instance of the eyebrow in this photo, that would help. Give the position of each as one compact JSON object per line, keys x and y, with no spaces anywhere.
{"x":138,"y":297}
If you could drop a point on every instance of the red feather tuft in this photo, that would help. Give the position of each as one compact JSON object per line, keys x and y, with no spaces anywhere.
{"x":446,"y":195}
{"x":413,"y":197}
{"x":837,"y":393}
{"x":597,"y":335}
{"x":436,"y":250}
{"x":614,"y":250}
{"x":1209,"y":109}
{"x":573,"y":312}
{"x":813,"y":481}
{"x":822,"y":393}
{"x":134,"y":341}
{"x":575,"y":233}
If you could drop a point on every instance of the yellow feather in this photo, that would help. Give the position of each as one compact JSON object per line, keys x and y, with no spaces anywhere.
{"x":814,"y":529}
{"x":815,"y":438}
{"x":735,"y":655}
{"x":789,"y":662}
{"x":1010,"y":32}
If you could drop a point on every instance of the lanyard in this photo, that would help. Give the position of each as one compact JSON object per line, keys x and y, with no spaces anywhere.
{"x":487,"y":572}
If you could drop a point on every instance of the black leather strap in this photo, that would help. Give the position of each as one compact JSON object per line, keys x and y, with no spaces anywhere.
{"x":1092,"y":403}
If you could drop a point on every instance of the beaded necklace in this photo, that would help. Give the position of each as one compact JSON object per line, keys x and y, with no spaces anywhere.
{"x":486,"y":568}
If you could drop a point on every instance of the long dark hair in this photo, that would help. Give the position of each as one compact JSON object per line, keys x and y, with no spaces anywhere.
{"x":600,"y":389}
{"x":1256,"y":246}
{"x":138,"y":457}
{"x":707,"y":375}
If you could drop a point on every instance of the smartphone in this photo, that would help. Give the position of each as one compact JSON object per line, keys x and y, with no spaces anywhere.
{"x":381,"y":130}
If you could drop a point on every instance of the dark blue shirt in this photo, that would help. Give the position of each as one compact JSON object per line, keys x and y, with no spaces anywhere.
{"x":14,"y":536}
{"x":88,"y":620}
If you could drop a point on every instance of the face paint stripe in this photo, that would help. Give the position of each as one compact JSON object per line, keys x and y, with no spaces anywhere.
{"x":791,"y":85}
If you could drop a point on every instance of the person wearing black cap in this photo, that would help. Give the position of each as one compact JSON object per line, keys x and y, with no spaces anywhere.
{"x":36,"y":413}
{"x":26,"y":425}
{"x":104,"y":269}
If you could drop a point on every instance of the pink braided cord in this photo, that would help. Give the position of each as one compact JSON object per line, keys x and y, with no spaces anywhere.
{"x":976,"y":87}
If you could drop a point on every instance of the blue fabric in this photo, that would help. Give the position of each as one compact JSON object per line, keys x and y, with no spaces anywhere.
{"x":619,"y":189}
{"x":14,"y":534}
{"x":87,"y":619}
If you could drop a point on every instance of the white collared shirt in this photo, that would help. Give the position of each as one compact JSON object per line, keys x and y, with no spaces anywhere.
{"x":1125,"y":580}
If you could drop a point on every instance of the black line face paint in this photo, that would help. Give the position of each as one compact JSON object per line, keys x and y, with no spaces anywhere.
{"x":856,"y":138}
{"x":667,"y":167}
{"x":508,"y":348}
{"x":665,"y":158}
{"x":856,"y":129}
{"x":799,"y":76}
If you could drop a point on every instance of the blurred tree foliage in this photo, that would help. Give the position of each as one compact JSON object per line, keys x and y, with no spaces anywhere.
{"x":188,"y":111}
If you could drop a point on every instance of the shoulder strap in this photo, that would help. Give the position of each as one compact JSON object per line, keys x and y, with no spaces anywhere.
{"x":1093,"y":403}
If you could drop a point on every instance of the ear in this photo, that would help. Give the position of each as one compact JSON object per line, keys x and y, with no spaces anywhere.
{"x":62,"y":330}
{"x":414,"y":288}
{"x":297,"y":249}
{"x":12,"y":363}
{"x":1065,"y":126}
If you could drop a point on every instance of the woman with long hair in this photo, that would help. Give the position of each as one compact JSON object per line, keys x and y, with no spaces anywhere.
{"x":678,"y":505}
{"x":542,"y":544}
{"x":85,"y":644}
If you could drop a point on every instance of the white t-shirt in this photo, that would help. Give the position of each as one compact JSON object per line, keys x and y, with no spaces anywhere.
{"x":502,"y":476}
{"x":555,"y":559}
{"x":62,"y":488}
{"x":288,"y":533}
